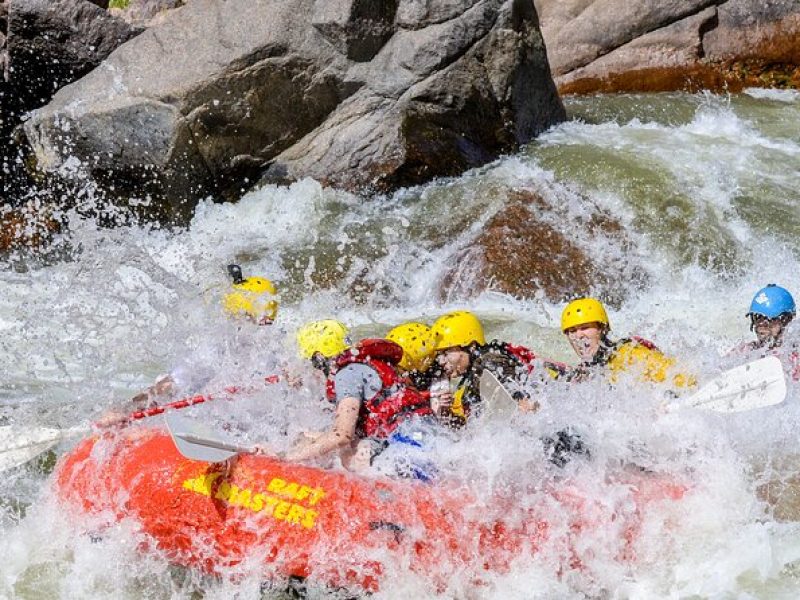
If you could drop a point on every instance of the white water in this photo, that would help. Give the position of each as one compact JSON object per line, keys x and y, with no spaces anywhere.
{"x":708,"y":191}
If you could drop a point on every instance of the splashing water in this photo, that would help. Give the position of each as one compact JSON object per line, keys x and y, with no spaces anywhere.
{"x":707,"y":190}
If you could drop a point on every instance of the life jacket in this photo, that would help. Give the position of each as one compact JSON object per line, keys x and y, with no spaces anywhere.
{"x":788,"y":355}
{"x":794,"y":365}
{"x":397,"y":400}
{"x":467,"y":391}
{"x":636,"y":353}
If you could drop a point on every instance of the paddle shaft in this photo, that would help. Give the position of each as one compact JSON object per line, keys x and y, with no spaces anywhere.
{"x":218,"y":444}
{"x":191,"y":401}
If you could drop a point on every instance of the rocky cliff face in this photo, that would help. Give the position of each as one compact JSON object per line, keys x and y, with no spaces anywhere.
{"x":359,"y":94}
{"x":649,"y":45}
{"x":44,"y":45}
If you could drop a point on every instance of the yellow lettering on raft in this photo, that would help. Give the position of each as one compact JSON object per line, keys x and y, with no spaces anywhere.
{"x":309,"y":519}
{"x":295,"y":514}
{"x":202,"y":484}
{"x":317,"y":494}
{"x":271,"y":506}
{"x":281,"y":510}
{"x":257,"y":503}
{"x":276,"y":485}
{"x":271,"y":502}
{"x":295,"y":491}
{"x":224,"y":491}
{"x":242,"y":498}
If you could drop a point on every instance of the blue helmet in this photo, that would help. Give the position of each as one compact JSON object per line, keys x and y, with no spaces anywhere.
{"x":772,"y":302}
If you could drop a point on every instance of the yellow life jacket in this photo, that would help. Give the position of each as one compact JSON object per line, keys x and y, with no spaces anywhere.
{"x":457,"y":407}
{"x":647,"y":362}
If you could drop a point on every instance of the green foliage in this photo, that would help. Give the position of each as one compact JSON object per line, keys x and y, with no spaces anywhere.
{"x":119,"y":3}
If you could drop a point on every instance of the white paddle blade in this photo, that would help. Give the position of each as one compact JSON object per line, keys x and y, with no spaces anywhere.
{"x":753,"y":385}
{"x":495,"y":398}
{"x":18,"y":445}
{"x":198,"y":442}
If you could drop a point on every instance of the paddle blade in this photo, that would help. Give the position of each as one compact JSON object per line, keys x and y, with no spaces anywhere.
{"x":18,"y":445}
{"x":495,"y":398}
{"x":753,"y":385}
{"x":196,"y":441}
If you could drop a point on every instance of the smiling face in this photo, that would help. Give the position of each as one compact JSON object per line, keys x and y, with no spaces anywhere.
{"x":769,"y":331}
{"x":454,"y":361}
{"x":586,"y":339}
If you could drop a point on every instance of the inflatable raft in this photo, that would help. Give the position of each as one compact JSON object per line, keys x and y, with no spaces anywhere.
{"x":332,"y":528}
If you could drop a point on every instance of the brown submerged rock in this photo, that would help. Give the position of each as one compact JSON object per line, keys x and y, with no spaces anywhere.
{"x":522,"y":253}
{"x":26,"y":227}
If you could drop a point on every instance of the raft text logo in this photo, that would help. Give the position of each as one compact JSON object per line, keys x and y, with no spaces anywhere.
{"x":276,"y":502}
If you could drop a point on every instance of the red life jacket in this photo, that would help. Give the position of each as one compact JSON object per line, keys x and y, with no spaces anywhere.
{"x":789,"y":357}
{"x":527,"y":357}
{"x":397,"y":400}
{"x":642,"y":342}
{"x":794,"y":365}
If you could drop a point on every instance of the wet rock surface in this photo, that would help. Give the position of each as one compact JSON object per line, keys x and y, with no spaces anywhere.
{"x":220,"y":93}
{"x":615,"y":46}
{"x":44,"y":45}
{"x":525,"y":251}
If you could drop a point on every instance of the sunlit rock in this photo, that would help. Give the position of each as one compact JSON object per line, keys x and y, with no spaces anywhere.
{"x":223,"y":92}
{"x":144,"y":13}
{"x":611,"y":46}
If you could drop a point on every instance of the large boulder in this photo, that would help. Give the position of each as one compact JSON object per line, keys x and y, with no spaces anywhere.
{"x":54,"y":42}
{"x":356,"y":93}
{"x":641,"y":45}
{"x":44,"y":45}
{"x":529,"y":249}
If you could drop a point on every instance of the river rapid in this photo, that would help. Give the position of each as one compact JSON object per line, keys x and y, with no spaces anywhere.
{"x":707,"y":189}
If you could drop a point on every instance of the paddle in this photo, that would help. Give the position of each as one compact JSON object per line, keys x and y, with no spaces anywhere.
{"x":18,"y":445}
{"x":495,"y":398}
{"x":757,"y":384}
{"x":750,"y":386}
{"x":196,"y":441}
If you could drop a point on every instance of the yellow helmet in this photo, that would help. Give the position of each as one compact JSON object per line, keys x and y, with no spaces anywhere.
{"x":328,"y":337}
{"x":583,"y":311}
{"x":459,"y":328}
{"x":418,"y":343}
{"x":253,"y":297}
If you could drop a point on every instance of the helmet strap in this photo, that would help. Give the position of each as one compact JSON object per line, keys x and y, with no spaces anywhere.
{"x":235,"y":272}
{"x":321,"y":363}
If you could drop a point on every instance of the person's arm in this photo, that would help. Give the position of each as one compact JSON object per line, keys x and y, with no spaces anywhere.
{"x":342,"y":433}
{"x":163,"y":387}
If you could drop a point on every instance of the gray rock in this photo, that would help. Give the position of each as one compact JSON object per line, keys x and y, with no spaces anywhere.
{"x":222,"y":91}
{"x":144,"y":13}
{"x":54,"y":42}
{"x":416,"y":14}
{"x":356,"y":28}
{"x":579,"y":31}
{"x":674,"y":46}
{"x":766,"y":29}
{"x":49,"y":44}
{"x":643,"y":45}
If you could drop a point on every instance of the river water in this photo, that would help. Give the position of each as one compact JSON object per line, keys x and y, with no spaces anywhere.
{"x":708,"y":191}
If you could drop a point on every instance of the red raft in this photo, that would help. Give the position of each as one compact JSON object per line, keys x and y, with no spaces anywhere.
{"x":332,"y":528}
